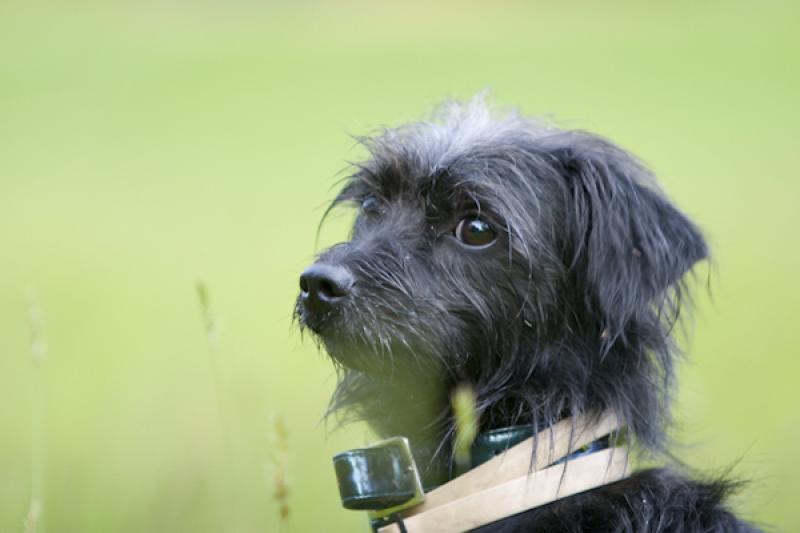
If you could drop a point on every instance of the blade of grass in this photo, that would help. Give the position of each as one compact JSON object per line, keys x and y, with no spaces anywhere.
{"x":466,"y":418}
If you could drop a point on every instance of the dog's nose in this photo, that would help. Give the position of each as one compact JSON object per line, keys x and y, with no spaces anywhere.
{"x":325,"y":286}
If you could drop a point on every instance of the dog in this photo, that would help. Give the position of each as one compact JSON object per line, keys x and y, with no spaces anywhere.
{"x":545,"y":268}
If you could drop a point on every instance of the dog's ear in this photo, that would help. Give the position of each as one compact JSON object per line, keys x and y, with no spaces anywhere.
{"x":626,"y":242}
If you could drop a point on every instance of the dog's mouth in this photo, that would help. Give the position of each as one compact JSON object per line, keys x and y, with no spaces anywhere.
{"x":370,"y":323}
{"x":331,"y":330}
{"x":318,"y":324}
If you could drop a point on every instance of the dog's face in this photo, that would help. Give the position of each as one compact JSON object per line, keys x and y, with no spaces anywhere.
{"x":535,"y":263}
{"x":428,"y":277}
{"x":443,"y":264}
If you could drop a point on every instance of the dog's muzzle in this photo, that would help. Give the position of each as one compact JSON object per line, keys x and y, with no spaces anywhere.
{"x":324,"y":288}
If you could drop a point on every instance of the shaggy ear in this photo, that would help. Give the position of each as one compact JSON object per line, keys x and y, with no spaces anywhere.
{"x":629,"y":243}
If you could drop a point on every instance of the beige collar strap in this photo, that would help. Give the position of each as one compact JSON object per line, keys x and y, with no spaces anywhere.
{"x":521,"y":479}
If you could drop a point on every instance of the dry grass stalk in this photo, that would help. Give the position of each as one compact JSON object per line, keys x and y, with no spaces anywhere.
{"x":212,"y":330}
{"x":211,"y":325}
{"x":279,"y":467}
{"x":34,"y":520}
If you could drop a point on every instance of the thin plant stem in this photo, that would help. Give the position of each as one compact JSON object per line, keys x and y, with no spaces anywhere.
{"x":34,"y":521}
{"x":279,"y":469}
{"x":212,"y":331}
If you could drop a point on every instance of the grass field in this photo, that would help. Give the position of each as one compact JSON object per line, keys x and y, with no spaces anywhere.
{"x":147,"y":146}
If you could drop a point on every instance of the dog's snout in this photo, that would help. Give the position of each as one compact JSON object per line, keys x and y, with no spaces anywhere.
{"x":324,"y":286}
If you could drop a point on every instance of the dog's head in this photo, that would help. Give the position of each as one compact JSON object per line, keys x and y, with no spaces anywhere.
{"x":540,"y":265}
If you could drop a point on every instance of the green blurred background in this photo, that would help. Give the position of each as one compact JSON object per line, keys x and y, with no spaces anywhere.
{"x":145,"y":146}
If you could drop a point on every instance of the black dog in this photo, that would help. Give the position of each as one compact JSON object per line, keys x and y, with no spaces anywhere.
{"x":543,"y":267}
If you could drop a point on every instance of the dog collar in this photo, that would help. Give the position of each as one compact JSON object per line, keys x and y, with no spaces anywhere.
{"x":497,"y":441}
{"x":487,"y":445}
{"x":512,"y":472}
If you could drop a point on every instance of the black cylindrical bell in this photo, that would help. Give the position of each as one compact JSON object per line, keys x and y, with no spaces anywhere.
{"x":379,"y":478}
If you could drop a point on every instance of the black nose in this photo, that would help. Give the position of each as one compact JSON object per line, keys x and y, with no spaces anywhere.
{"x":325,"y":286}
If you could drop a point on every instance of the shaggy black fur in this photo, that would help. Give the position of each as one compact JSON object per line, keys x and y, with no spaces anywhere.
{"x":569,"y":310}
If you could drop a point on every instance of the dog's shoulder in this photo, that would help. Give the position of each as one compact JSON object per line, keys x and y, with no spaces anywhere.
{"x":653,"y":501}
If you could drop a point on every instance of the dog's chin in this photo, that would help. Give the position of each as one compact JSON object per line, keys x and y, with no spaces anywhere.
{"x":390,"y":361}
{"x":354,"y":357}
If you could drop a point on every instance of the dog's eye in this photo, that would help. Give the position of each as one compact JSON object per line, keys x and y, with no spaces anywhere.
{"x":475,"y":232}
{"x":370,"y":205}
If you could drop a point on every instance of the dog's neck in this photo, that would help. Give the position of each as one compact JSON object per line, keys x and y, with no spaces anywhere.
{"x":419,"y":407}
{"x":420,"y":411}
